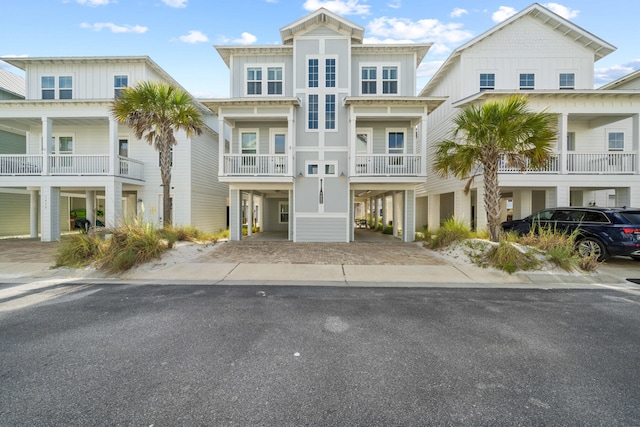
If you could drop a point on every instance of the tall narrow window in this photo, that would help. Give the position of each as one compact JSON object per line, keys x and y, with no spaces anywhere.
{"x":119,"y":84}
{"x":616,"y":141}
{"x":330,"y":70}
{"x":396,"y":142}
{"x":313,"y":112}
{"x":313,"y":73}
{"x":330,"y":112}
{"x":65,"y":85}
{"x":389,"y":80}
{"x":283,"y":209}
{"x":123,"y":147}
{"x":254,"y":81}
{"x":567,"y":80}
{"x":249,"y":143}
{"x":369,"y":80}
{"x":279,"y":143}
{"x":48,"y":87}
{"x":487,"y":81}
{"x":274,"y":80}
{"x":527,"y":81}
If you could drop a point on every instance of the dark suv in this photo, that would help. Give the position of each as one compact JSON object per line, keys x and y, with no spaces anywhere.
{"x":601,"y":231}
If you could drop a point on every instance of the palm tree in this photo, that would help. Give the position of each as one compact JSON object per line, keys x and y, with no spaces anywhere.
{"x":153,"y":110}
{"x":486,"y":134}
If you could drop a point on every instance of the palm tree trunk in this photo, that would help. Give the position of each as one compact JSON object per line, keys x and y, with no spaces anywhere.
{"x":492,"y":199}
{"x":165,"y":173}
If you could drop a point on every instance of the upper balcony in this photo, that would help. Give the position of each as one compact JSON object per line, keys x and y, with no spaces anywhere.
{"x":601,"y":163}
{"x":69,"y":165}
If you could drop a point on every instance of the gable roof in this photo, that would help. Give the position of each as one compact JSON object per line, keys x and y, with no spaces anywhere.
{"x":622,"y":80}
{"x":322,"y":16}
{"x":12,"y":83}
{"x":552,"y":20}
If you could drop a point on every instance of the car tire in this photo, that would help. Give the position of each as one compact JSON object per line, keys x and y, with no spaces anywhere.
{"x":635,"y":258}
{"x":591,"y":246}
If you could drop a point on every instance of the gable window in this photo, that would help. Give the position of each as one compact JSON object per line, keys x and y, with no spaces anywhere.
{"x":313,"y":72}
{"x":48,"y":87}
{"x":283,"y":209}
{"x":616,"y":141}
{"x":487,"y":81}
{"x":313,"y":112}
{"x":254,"y":81}
{"x":390,"y":80}
{"x":527,"y":81}
{"x":119,"y":84}
{"x":567,"y":80}
{"x":369,"y":80}
{"x":330,"y":112}
{"x":274,"y":80}
{"x":330,"y":72}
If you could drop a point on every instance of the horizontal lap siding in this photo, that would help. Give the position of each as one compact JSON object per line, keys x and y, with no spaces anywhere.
{"x":321,"y":229}
{"x":14,"y":215}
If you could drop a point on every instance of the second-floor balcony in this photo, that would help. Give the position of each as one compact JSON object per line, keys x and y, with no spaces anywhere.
{"x":388,"y":165}
{"x":602,"y":163}
{"x":69,"y":165}
{"x":257,"y":165}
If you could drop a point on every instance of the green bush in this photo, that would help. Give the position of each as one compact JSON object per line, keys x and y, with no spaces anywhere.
{"x":131,"y":245}
{"x":79,"y":250}
{"x":505,"y":256}
{"x":450,"y":232}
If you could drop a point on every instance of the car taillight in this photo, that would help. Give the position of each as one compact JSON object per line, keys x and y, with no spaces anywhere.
{"x":631,"y":230}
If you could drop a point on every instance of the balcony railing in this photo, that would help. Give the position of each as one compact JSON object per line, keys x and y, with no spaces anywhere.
{"x":69,"y":165}
{"x":256,"y":164}
{"x":388,"y":165}
{"x":605,"y":163}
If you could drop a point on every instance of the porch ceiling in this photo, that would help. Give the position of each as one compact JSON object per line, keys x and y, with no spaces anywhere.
{"x":25,"y":124}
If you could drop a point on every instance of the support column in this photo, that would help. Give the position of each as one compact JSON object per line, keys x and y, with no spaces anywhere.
{"x":385,"y":215}
{"x":433,"y":212}
{"x":235,"y":215}
{"x":221,"y":144}
{"x":409,"y":220}
{"x":91,"y":207}
{"x":352,"y":216}
{"x":50,"y":213}
{"x":563,"y":125}
{"x":394,"y":214}
{"x":562,"y":196}
{"x":292,"y":216}
{"x":423,"y":143}
{"x":375,"y":211}
{"x":33,"y":213}
{"x":635,"y":141}
{"x":47,"y":144}
{"x":250,"y":216}
{"x":481,"y":213}
{"x":522,"y":203}
{"x":462,"y":206}
{"x":623,"y":196}
{"x":113,"y":204}
{"x":114,"y":152}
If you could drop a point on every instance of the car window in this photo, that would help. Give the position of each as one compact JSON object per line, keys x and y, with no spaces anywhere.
{"x":632,"y":217}
{"x":592,"y":216}
{"x":563,"y":216}
{"x":542,"y":216}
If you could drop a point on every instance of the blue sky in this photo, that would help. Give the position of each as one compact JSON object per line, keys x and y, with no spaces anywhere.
{"x":180,"y":34}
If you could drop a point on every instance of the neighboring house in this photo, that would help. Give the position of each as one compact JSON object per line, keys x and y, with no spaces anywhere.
{"x":320,"y":127}
{"x":551,"y":60}
{"x":62,"y":153}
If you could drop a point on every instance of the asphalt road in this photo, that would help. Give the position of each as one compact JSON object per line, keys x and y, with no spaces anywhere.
{"x":204,"y":355}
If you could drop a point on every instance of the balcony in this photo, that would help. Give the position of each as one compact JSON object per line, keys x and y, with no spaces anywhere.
{"x":69,"y":165}
{"x":603,"y":163}
{"x":388,"y":165}
{"x":256,"y":165}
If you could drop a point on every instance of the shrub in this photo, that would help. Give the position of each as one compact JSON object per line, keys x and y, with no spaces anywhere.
{"x":450,"y":232}
{"x":131,"y":245}
{"x":79,"y":250}
{"x":505,"y":256}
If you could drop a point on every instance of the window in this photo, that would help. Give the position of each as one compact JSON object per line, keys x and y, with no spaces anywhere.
{"x":487,"y":81}
{"x":330,"y":72}
{"x":283,"y":209}
{"x":123,"y":147}
{"x":330,"y":169}
{"x":390,"y":80}
{"x":312,"y":169}
{"x":527,"y":81}
{"x":567,"y":80}
{"x":363,"y":141}
{"x":254,"y":81}
{"x":330,"y":112}
{"x":65,"y":145}
{"x":571,"y":141}
{"x":322,"y":169}
{"x":313,"y":72}
{"x":396,"y":143}
{"x":119,"y":84}
{"x":65,"y":84}
{"x":279,"y":143}
{"x":369,"y":80}
{"x":313,"y":112}
{"x":616,"y":141}
{"x":274,"y":80}
{"x":249,"y":141}
{"x":48,"y":87}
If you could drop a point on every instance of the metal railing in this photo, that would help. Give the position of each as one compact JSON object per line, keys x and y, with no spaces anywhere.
{"x":388,"y":165}
{"x":256,"y":164}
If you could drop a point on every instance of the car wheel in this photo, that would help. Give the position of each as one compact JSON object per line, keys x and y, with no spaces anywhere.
{"x":635,"y":258}
{"x":590,"y":246}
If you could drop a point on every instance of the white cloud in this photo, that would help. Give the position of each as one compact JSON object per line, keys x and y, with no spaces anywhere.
{"x":439,"y":49}
{"x":427,"y":30}
{"x":375,"y":40}
{"x":426,"y":70}
{"x":99,"y":26}
{"x":194,"y":36}
{"x":609,"y":74}
{"x":341,"y":7}
{"x":93,"y":2}
{"x":458,"y":12}
{"x":503,"y":13}
{"x":395,"y":4}
{"x":246,"y":38}
{"x":564,"y":11}
{"x":175,"y":3}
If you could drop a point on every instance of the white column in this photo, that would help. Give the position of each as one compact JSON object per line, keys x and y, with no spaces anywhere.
{"x":423,"y":144}
{"x":113,"y":204}
{"x":47,"y":144}
{"x":394,"y":214}
{"x":292,"y":216}
{"x":352,"y":217}
{"x":261,"y":211}
{"x":433,"y":212}
{"x":623,"y":196}
{"x":114,"y":153}
{"x":250,"y":216}
{"x":50,"y":213}
{"x":562,"y":196}
{"x":481,"y":212}
{"x":462,"y":206}
{"x":235,"y":215}
{"x":91,"y":206}
{"x":409,"y":220}
{"x":221,"y":144}
{"x":635,"y":140}
{"x":563,"y":126}
{"x":290,"y":142}
{"x":33,"y":213}
{"x":383,"y":208}
{"x":522,"y":203}
{"x":352,"y":142}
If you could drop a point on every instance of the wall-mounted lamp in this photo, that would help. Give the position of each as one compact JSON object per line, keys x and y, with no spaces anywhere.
{"x":139,"y":200}
{"x":341,"y":174}
{"x":300,"y":175}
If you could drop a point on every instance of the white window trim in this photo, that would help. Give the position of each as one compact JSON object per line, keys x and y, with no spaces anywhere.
{"x":56,"y":142}
{"x":574,"y":79}
{"x":321,"y":168}
{"x":272,"y":140}
{"x":534,"y":80}
{"x":265,"y":79}
{"x":379,"y":67}
{"x":56,"y":85}
{"x":249,"y":130}
{"x":624,"y":138}
{"x":324,"y":67}
{"x":323,"y":112}
{"x":113,"y":81}
{"x":320,"y":112}
{"x":369,"y":133}
{"x":396,"y":130}
{"x":306,"y":168}
{"x":280,"y":212}
{"x":495,"y":79}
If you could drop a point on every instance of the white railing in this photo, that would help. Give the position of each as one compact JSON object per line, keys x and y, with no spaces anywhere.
{"x":551,"y":166}
{"x":256,"y":164}
{"x":79,"y":164}
{"x":130,"y":168}
{"x":602,"y":163}
{"x":20,"y":164}
{"x":388,"y":165}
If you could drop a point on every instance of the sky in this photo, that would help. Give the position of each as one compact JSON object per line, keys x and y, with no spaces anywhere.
{"x":180,"y":35}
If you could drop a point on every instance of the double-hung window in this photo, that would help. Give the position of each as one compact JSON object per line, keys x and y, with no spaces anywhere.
{"x":390,"y":80}
{"x":369,"y":80}
{"x":254,"y":81}
{"x":330,"y":72}
{"x":567,"y":80}
{"x":527,"y":81}
{"x":313,"y":111}
{"x":274,"y":80}
{"x":249,"y":147}
{"x":487,"y":81}
{"x":283,"y":209}
{"x":119,"y":84}
{"x":395,"y":147}
{"x":64,"y":87}
{"x":330,"y":112}
{"x":616,"y":141}
{"x":314,"y":72}
{"x":48,"y":84}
